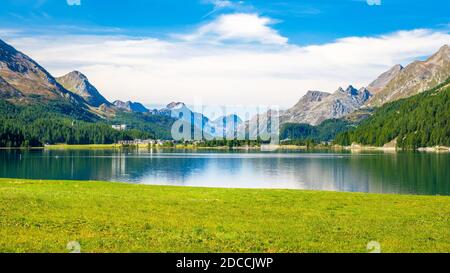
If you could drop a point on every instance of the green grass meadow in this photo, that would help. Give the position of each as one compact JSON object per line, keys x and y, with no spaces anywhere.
{"x":43,"y":216}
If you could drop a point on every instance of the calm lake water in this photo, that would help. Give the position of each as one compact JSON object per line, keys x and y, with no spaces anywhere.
{"x":404,"y":173}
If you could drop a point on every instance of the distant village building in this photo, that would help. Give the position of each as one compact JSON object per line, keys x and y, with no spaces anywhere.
{"x":150,"y":142}
{"x":137,"y":142}
{"x":121,"y":127}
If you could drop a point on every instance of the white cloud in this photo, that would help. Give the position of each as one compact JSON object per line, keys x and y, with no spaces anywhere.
{"x":242,"y":27}
{"x":156,"y":71}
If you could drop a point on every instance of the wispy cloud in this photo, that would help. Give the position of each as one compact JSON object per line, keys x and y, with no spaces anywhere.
{"x":219,"y":5}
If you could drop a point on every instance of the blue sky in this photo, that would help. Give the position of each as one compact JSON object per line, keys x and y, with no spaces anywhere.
{"x":303,"y":22}
{"x":224,"y":51}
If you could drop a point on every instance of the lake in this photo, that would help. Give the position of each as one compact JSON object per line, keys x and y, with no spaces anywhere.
{"x":375,"y":172}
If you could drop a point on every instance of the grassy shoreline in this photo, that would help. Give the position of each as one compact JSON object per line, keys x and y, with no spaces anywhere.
{"x":43,"y":216}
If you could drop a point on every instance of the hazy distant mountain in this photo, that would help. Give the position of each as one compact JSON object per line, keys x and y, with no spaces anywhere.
{"x":316,"y":106}
{"x":414,"y":78}
{"x":228,"y":119}
{"x":179,"y":110}
{"x":260,"y":123}
{"x":218,"y":127}
{"x":130,"y":106}
{"x":33,"y":81}
{"x":225,"y":124}
{"x":78,"y":83}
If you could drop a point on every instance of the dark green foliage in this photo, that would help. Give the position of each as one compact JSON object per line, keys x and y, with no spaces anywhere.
{"x":305,"y":133}
{"x":36,"y":125}
{"x":419,"y":121}
{"x":295,"y":131}
{"x":158,"y":125}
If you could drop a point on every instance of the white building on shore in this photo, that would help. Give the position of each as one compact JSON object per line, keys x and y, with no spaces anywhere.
{"x":120,"y":127}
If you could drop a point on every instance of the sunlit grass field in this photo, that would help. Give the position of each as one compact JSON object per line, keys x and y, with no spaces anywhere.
{"x":44,"y":216}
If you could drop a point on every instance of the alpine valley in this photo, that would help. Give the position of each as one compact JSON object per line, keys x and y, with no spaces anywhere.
{"x":408,"y":106}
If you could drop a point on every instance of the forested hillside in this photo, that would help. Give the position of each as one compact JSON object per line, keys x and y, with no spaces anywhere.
{"x":419,"y":121}
{"x":158,"y":125}
{"x":36,"y":125}
{"x":302,"y":133}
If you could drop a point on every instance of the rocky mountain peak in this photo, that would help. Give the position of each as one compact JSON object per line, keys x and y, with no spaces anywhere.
{"x":175,"y":105}
{"x":31,"y":79}
{"x":351,"y":91}
{"x":443,"y":54}
{"x":340,"y":90}
{"x":415,"y":78}
{"x":76,"y":82}
{"x":315,"y":95}
{"x":130,"y":106}
{"x":78,"y":75}
{"x":382,"y":80}
{"x":364,"y":95}
{"x":315,"y":106}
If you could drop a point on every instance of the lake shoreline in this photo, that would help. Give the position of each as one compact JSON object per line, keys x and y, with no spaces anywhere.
{"x":354,"y":147}
{"x":46,"y":215}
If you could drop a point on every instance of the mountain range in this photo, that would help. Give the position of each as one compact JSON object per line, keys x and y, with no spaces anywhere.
{"x":396,"y":83}
{"x":411,"y":80}
{"x":79,"y":84}
{"x":24,"y":82}
{"x":130,"y":106}
{"x":419,"y":121}
{"x":317,"y":106}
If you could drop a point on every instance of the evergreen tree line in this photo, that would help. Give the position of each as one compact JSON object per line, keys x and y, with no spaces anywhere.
{"x":419,"y":121}
{"x":305,"y":134}
{"x":158,"y":125}
{"x":52,"y":123}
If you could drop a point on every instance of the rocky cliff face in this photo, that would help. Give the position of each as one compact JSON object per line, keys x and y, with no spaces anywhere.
{"x":316,"y":106}
{"x":379,"y":83}
{"x":303,"y":111}
{"x":8,"y":91}
{"x":29,"y":78}
{"x":79,"y":84}
{"x":130,"y":106}
{"x":414,"y":78}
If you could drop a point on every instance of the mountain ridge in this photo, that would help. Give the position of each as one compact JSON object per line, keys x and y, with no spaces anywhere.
{"x":31,"y":79}
{"x":77,"y":83}
{"x":316,"y":106}
{"x":130,"y":106}
{"x":415,"y":78}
